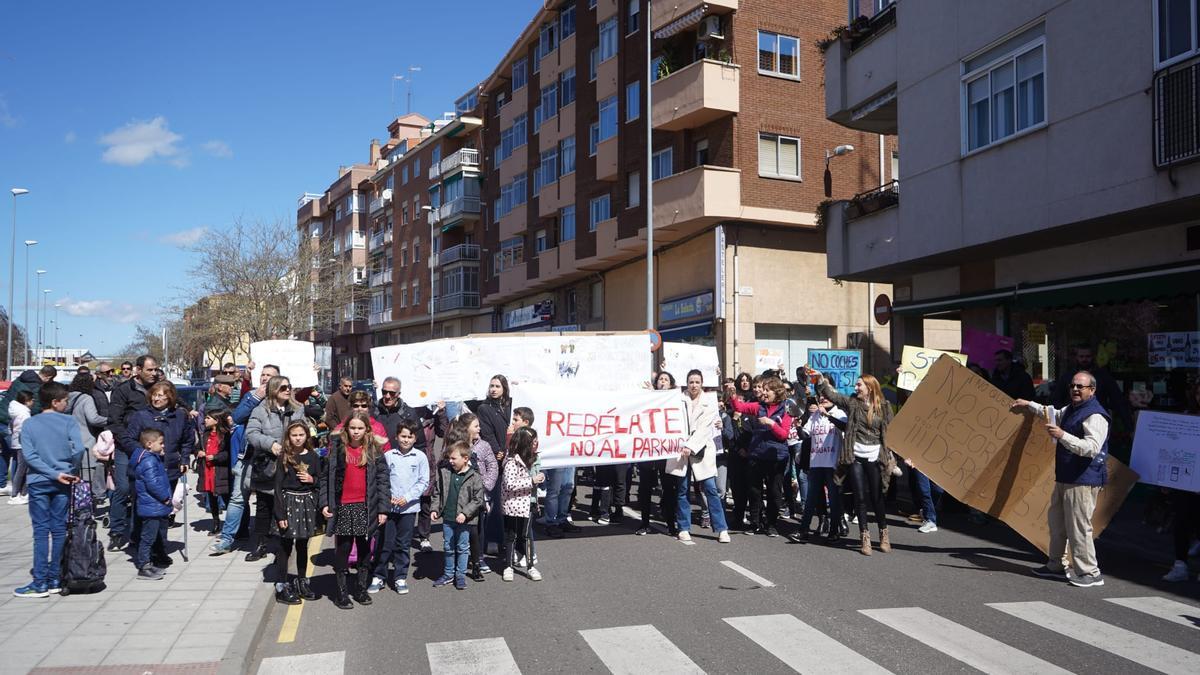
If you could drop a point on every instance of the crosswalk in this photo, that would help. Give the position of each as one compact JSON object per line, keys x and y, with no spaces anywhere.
{"x":802,"y":648}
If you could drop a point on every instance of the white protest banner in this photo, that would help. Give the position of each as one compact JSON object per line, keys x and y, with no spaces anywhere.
{"x":1166,"y":450}
{"x":584,"y":427}
{"x":679,"y":358}
{"x":296,"y":360}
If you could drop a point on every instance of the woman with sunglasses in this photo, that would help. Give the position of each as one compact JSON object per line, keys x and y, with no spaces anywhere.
{"x":264,"y":438}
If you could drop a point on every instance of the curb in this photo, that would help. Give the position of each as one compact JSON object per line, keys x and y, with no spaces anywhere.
{"x":240,"y":654}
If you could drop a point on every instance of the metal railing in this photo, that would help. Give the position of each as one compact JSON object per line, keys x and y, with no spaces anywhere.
{"x":463,"y":205}
{"x":460,"y":252}
{"x":381,"y":278}
{"x":447,"y":303}
{"x":381,"y":201}
{"x":868,"y":202}
{"x":1177,"y":114}
{"x":873,"y":17}
{"x":380,"y":238}
{"x":376,"y":318}
{"x":466,"y":157}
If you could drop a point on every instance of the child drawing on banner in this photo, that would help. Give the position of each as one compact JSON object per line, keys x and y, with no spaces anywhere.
{"x":568,"y":369}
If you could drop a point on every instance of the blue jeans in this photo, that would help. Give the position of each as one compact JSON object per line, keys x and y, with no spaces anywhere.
{"x":930,"y":493}
{"x":239,"y":487}
{"x":456,"y":542}
{"x":820,"y":479}
{"x":716,"y":508}
{"x":153,"y":539}
{"x":396,"y":535}
{"x":6,"y":456}
{"x":48,"y":501}
{"x":119,"y":522}
{"x":559,"y":483}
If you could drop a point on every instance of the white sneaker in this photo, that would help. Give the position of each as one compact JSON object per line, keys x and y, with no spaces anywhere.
{"x":723,"y":537}
{"x":6,"y":490}
{"x":534,"y":574}
{"x":1179,"y":572}
{"x":508,"y":574}
{"x":927,"y":527}
{"x":520,"y":562}
{"x":19,"y":500}
{"x":685,"y":536}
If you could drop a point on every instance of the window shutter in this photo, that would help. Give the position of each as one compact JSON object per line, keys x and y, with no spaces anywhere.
{"x":789,"y":157}
{"x":768,"y":162}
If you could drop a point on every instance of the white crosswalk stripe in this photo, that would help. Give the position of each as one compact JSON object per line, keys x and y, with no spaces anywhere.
{"x":959,"y":642}
{"x":489,"y":656}
{"x":1175,"y":612}
{"x":803,"y":648}
{"x":328,"y":663}
{"x":1151,"y":653}
{"x":633,"y":650}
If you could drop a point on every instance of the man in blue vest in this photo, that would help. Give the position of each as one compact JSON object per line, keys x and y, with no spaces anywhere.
{"x":1080,"y":471}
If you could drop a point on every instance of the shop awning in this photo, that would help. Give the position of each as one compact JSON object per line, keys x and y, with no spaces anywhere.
{"x":1115,"y":287}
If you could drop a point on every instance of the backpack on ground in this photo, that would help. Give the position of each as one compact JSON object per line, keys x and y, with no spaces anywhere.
{"x":83,"y":563}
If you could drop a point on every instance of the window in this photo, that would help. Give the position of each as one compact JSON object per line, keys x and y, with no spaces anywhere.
{"x":566,"y":154}
{"x":778,"y":55}
{"x":631,"y":25}
{"x":547,"y":171}
{"x":572,"y":304}
{"x":404,"y":295}
{"x":512,"y":195}
{"x":600,"y":210}
{"x":701,"y":153}
{"x":339,"y":213}
{"x":512,"y":253}
{"x":435,"y":156}
{"x":633,"y":100}
{"x":662,"y":164}
{"x":597,"y":301}
{"x":566,"y":87}
{"x":356,"y":202}
{"x":1176,"y":30}
{"x":416,"y":167}
{"x":634,"y":187}
{"x":566,"y":223}
{"x":608,"y":40}
{"x":512,"y":138}
{"x":656,"y":68}
{"x":593,"y":138}
{"x":608,"y":118}
{"x":519,"y":74}
{"x":404,"y":254}
{"x":435,"y":196}
{"x":416,"y":207}
{"x":591,"y":4}
{"x":778,"y":156}
{"x":417,"y":251}
{"x":1004,"y":91}
{"x":391,"y":182}
{"x":540,"y":243}
{"x":566,"y":21}
{"x":549,"y":105}
{"x":593,"y":63}
{"x":416,"y":289}
{"x":547,"y":39}
{"x":404,"y":175}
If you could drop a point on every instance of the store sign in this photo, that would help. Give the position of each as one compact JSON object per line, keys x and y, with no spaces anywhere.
{"x":1035,"y":333}
{"x":682,"y":309}
{"x":529,"y":315}
{"x":1174,"y":350}
{"x":719,"y":258}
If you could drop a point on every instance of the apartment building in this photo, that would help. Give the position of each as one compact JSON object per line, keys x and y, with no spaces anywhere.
{"x":1050,"y":190}
{"x":533,"y":194}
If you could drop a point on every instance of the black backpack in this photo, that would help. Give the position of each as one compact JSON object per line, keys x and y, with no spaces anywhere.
{"x":83,"y":563}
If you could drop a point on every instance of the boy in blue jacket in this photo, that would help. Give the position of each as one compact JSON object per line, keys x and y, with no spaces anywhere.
{"x":153,"y":500}
{"x":408,"y":470}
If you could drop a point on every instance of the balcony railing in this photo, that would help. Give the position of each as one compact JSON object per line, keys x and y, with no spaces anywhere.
{"x":381,"y":201}
{"x":381,"y":278}
{"x":1177,"y":114}
{"x":873,"y":17}
{"x":448,"y":303}
{"x":380,"y":238}
{"x":869,"y":202}
{"x":457,"y":208}
{"x":376,"y":318}
{"x":464,"y":158}
{"x":459,"y":253}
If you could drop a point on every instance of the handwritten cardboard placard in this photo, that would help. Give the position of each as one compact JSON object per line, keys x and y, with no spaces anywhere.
{"x":916,"y":361}
{"x":296,"y":360}
{"x":842,"y":367}
{"x":961,"y":432}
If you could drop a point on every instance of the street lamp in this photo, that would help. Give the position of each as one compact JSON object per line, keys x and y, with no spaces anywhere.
{"x":12,"y":264}
{"x":837,"y":152}
{"x":37,"y":313}
{"x":28,"y":244}
{"x":45,"y":316}
{"x":647,"y":112}
{"x":432,"y":267}
{"x":57,"y":325}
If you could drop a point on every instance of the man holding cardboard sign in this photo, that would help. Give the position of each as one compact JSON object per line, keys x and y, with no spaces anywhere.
{"x":1080,"y":430}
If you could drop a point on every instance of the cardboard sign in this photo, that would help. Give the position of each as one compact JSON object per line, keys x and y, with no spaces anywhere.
{"x":916,"y":361}
{"x":296,"y":360}
{"x":1036,"y":333}
{"x":1166,"y":450}
{"x":961,"y":432}
{"x":583,"y":427}
{"x":842,"y":367}
{"x":981,"y":347}
{"x":680,"y":357}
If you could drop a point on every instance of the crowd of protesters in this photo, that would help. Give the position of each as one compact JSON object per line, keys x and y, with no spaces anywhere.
{"x":374,"y":476}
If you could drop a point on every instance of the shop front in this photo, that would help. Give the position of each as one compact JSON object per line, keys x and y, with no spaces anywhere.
{"x":688,"y":319}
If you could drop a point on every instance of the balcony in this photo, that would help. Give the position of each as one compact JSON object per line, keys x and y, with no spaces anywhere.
{"x":695,"y":95}
{"x":460,"y":253}
{"x":381,"y":201}
{"x":379,"y":239}
{"x":460,"y":160}
{"x":861,"y":242}
{"x":860,"y":75}
{"x":1177,"y":114}
{"x":454,"y":301}
{"x":672,"y":14}
{"x":690,"y":200}
{"x":606,"y":159}
{"x":381,"y":278}
{"x":866,"y":203}
{"x":453,"y":212}
{"x":377,"y":318}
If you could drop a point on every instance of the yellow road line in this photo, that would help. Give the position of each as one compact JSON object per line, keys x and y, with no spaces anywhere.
{"x":291,"y":622}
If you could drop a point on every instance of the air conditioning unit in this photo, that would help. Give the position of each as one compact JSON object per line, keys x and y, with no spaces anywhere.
{"x":710,"y":28}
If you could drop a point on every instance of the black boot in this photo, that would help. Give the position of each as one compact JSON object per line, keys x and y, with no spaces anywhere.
{"x":304,"y":590}
{"x":476,"y":574}
{"x":342,"y":601}
{"x":364,"y":578}
{"x":259,"y":552}
{"x":286,"y":595}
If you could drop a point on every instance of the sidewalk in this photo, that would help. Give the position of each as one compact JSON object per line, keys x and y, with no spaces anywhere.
{"x":205,"y":613}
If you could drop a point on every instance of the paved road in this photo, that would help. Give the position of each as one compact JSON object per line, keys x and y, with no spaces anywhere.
{"x":959,"y":600}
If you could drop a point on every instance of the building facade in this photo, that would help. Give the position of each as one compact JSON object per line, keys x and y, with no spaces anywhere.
{"x":1050,"y":190}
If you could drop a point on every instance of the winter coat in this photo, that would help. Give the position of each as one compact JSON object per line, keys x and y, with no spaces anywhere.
{"x":377,"y":430}
{"x":51,"y":445}
{"x":26,"y":381}
{"x":494,"y":419}
{"x":516,"y":488}
{"x":219,"y":462}
{"x":701,"y":418}
{"x":390,"y":418}
{"x":337,"y":409}
{"x":179,"y":436}
{"x":151,"y":484}
{"x":266,"y":427}
{"x":471,"y":496}
{"x":856,"y":417}
{"x":127,"y":398}
{"x":379,"y":488}
{"x":483,"y":459}
{"x":83,"y":408}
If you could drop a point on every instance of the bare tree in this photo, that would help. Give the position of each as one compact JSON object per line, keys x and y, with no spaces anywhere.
{"x":22,"y":354}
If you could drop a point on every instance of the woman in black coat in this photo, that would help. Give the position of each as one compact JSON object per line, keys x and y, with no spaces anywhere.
{"x":495,"y":414}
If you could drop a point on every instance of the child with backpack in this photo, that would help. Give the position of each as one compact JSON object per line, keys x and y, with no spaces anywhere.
{"x":154,"y":507}
{"x":408,"y":470}
{"x":516,"y":490}
{"x":212,"y":463}
{"x":297,"y":498}
{"x":458,"y":497}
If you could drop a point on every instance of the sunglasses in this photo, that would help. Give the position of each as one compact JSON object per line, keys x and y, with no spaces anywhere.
{"x":285,"y":387}
{"x":105,"y":372}
{"x":126,"y":368}
{"x":360,"y":407}
{"x":1080,"y":386}
{"x":390,"y":393}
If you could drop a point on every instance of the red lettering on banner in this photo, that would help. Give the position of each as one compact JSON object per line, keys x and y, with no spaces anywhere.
{"x":554,"y":418}
{"x":672,"y":422}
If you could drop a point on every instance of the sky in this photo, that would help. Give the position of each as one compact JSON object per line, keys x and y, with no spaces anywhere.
{"x":138,"y":126}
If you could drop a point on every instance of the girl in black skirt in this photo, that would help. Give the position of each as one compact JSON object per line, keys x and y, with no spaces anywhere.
{"x":297,"y":497}
{"x":356,"y":500}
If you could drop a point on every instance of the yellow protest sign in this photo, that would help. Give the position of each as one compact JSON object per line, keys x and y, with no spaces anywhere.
{"x":915,"y":362}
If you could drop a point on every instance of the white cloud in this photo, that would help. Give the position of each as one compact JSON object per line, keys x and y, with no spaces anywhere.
{"x":140,"y":141}
{"x":6,"y":117}
{"x":184,"y":237}
{"x":219,"y":149}
{"x":70,"y":137}
{"x":121,"y":312}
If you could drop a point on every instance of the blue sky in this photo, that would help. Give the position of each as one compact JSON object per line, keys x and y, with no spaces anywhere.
{"x":137,"y":126}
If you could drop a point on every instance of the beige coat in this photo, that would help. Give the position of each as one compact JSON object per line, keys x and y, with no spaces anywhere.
{"x":701,"y":420}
